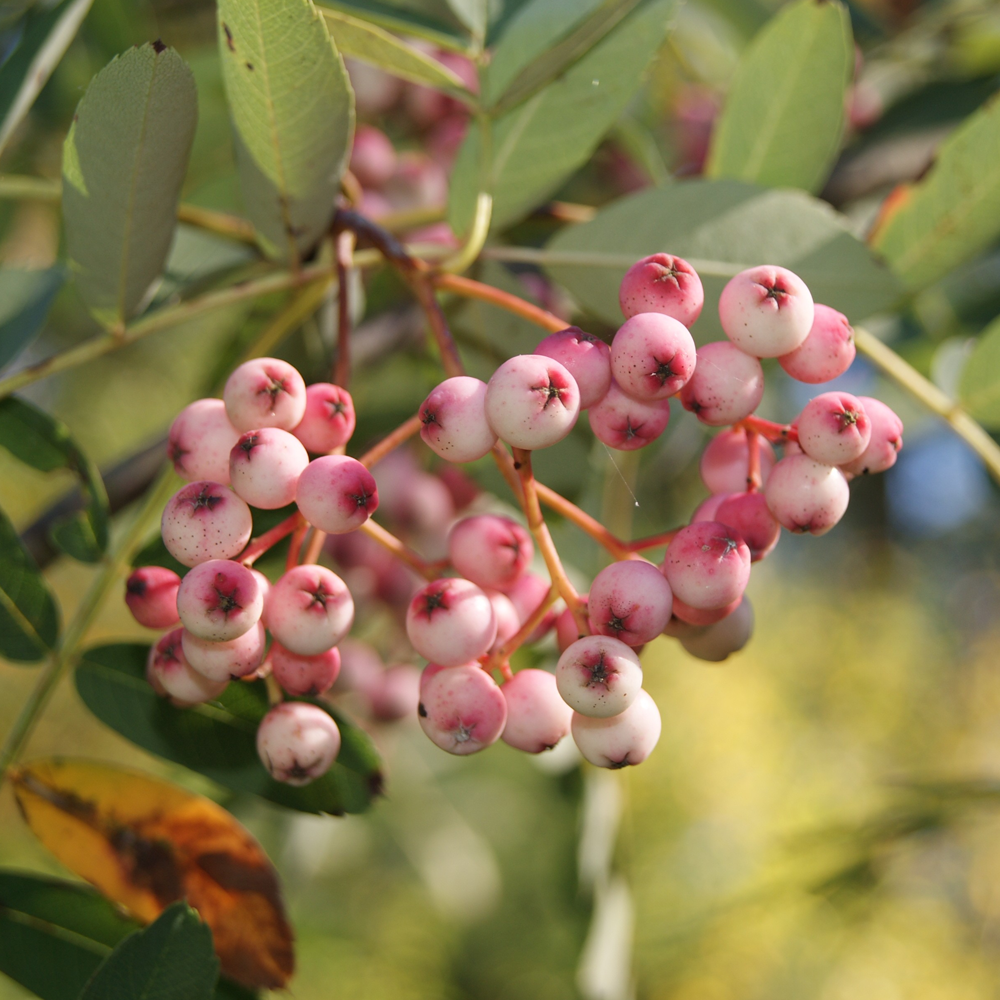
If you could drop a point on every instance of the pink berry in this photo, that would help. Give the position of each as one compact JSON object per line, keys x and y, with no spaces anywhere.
{"x":304,"y":675}
{"x":263,"y":583}
{"x":664,"y":284}
{"x":707,"y":509}
{"x":508,"y":620}
{"x":537,"y":717}
{"x":373,"y":157}
{"x":585,"y":357}
{"x":624,"y":423}
{"x":532,"y":401}
{"x":567,"y":630}
{"x":265,"y":392}
{"x":200,"y":440}
{"x":205,"y":521}
{"x":170,"y":673}
{"x":805,"y":495}
{"x":396,"y":693}
{"x":219,"y":600}
{"x":716,"y":642}
{"x":490,"y":550}
{"x":451,"y":621}
{"x":309,"y":610}
{"x":727,"y":385}
{"x":453,"y":420}
{"x":462,"y":710}
{"x":652,"y":356}
{"x":630,"y":600}
{"x":725,"y":462}
{"x":826,"y":352}
{"x":766,"y":311}
{"x":264,"y":467}
{"x":151,"y":596}
{"x":222,"y":661}
{"x":598,"y":676}
{"x":748,"y":514}
{"x":707,"y":565}
{"x":336,"y":494}
{"x":834,"y":428}
{"x":526,"y":593}
{"x":622,"y":740}
{"x":360,"y":667}
{"x":701,"y":616}
{"x":885,"y":443}
{"x":329,"y":418}
{"x":297,"y":742}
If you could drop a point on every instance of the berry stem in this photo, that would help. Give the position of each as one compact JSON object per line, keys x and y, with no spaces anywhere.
{"x":773,"y":432}
{"x":543,"y":539}
{"x":753,"y":462}
{"x":391,"y":442}
{"x":345,"y":256}
{"x":258,"y":546}
{"x":428,"y":570}
{"x":315,"y":546}
{"x":497,"y":660}
{"x":652,"y":542}
{"x":295,"y":547}
{"x":471,"y":289}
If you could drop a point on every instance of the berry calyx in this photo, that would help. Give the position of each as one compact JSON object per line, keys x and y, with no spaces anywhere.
{"x":297,"y":742}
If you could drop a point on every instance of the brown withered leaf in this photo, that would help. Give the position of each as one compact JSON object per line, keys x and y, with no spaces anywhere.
{"x":145,"y":843}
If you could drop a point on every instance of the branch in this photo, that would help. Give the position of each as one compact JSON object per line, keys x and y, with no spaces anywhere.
{"x":391,"y":442}
{"x":471,"y":289}
{"x":258,"y":546}
{"x":428,"y":570}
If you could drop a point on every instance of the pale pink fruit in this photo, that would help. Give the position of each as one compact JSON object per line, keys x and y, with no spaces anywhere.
{"x":598,"y":676}
{"x":264,"y":467}
{"x":532,"y":401}
{"x":304,"y":675}
{"x":826,"y":352}
{"x":766,"y":311}
{"x":417,"y":182}
{"x":373,"y":157}
{"x":309,"y":610}
{"x":265,"y":392}
{"x":453,"y":420}
{"x":727,"y":385}
{"x":375,"y":91}
{"x":329,"y":419}
{"x":707,"y":509}
{"x":171,"y":675}
{"x":701,"y":616}
{"x":834,"y":428}
{"x":360,"y":667}
{"x":725,"y":462}
{"x":219,"y":600}
{"x":205,"y":521}
{"x":707,"y":565}
{"x":200,"y":440}
{"x":567,"y":630}
{"x":629,"y":600}
{"x":151,"y":596}
{"x":508,"y":620}
{"x":652,"y":356}
{"x":490,"y":550}
{"x":662,"y":283}
{"x":297,"y":742}
{"x":624,"y":423}
{"x":748,"y":514}
{"x":462,"y":710}
{"x":537,"y":717}
{"x":885,"y":443}
{"x":526,"y":593}
{"x":396,"y":693}
{"x":223,"y":661}
{"x":715,"y":643}
{"x":806,"y":496}
{"x":336,"y":494}
{"x":622,"y":740}
{"x":585,"y":357}
{"x":451,"y":621}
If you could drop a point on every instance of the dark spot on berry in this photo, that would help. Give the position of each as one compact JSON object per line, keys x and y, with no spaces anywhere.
{"x":428,"y":417}
{"x":319,"y":596}
{"x":421,"y":711}
{"x":361,"y":498}
{"x":616,"y":624}
{"x":274,"y":388}
{"x":337,"y":408}
{"x":599,"y":673}
{"x":435,"y":601}
{"x":617,"y":765}
{"x":550,"y":392}
{"x":176,"y":452}
{"x":848,"y":418}
{"x":137,"y":587}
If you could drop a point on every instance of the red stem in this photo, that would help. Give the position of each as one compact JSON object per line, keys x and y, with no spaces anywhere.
{"x":391,"y":442}
{"x":504,"y":300}
{"x":775,"y":433}
{"x":753,"y":461}
{"x":258,"y":546}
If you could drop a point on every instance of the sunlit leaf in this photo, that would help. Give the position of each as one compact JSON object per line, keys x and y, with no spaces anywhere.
{"x":123,"y":163}
{"x":722,"y":227}
{"x":171,"y":959}
{"x":979,"y":388}
{"x":44,"y":443}
{"x":146,"y":844}
{"x":402,"y":21}
{"x":293,"y":113}
{"x":218,"y":739}
{"x":784,"y":115}
{"x":25,"y":299}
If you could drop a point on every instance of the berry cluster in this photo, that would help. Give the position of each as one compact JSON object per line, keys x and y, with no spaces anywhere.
{"x":253,"y":447}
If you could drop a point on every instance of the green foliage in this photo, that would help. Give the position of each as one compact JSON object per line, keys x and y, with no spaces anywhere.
{"x":401,"y":21}
{"x":25,"y":299}
{"x":123,"y":164}
{"x":784,"y":115}
{"x":218,"y":739}
{"x":979,"y":388}
{"x":290,"y":152}
{"x":474,"y":14}
{"x":723,"y":227}
{"x":172,"y":959}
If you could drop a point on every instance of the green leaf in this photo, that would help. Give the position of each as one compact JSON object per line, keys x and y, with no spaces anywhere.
{"x":171,"y":959}
{"x":46,"y":37}
{"x":25,"y":300}
{"x":954,"y":212}
{"x":29,"y":618}
{"x":372,"y":44}
{"x":979,"y":387}
{"x":293,"y":114}
{"x":404,"y":22}
{"x":784,"y":116}
{"x":474,"y":14}
{"x":722,"y":227}
{"x":123,"y":165}
{"x":55,"y":934}
{"x":44,"y":443}
{"x":218,"y":739}
{"x":538,"y":145}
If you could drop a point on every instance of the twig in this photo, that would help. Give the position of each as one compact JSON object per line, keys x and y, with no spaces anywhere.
{"x":258,"y":546}
{"x":295,"y":546}
{"x":495,"y":661}
{"x":471,"y":289}
{"x":391,"y":442}
{"x":345,"y":254}
{"x":753,"y":462}
{"x":316,"y":542}
{"x":429,"y":571}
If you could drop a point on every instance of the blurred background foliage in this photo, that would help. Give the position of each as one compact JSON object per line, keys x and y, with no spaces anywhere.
{"x":821,"y":816}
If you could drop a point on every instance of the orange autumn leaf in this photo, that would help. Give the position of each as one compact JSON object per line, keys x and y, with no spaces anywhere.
{"x":145,"y":844}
